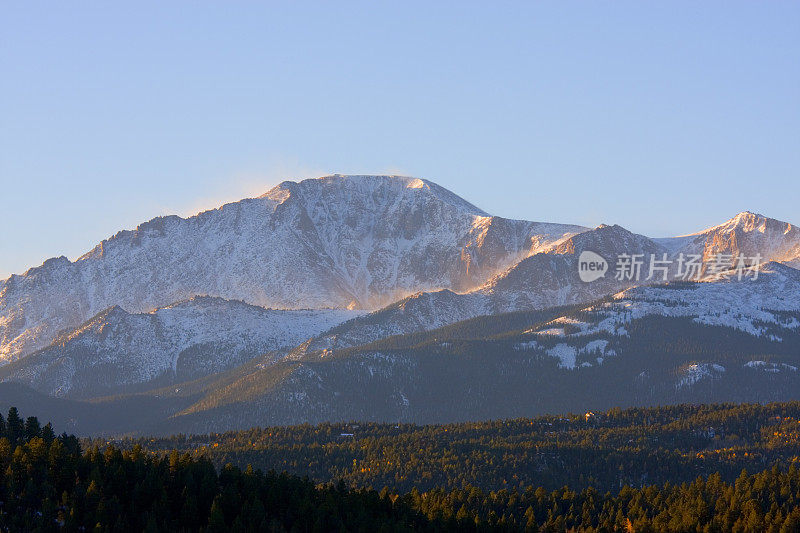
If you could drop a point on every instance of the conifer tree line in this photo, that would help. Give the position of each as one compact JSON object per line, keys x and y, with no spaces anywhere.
{"x":606,"y":450}
{"x":50,"y":483}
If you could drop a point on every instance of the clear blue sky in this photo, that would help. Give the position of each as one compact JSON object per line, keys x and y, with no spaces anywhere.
{"x":663,"y":117}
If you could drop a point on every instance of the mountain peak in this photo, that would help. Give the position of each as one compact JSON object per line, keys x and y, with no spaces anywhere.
{"x":360,"y":179}
{"x":609,"y":239}
{"x":747,"y":234}
{"x":372,"y":186}
{"x":746,"y":214}
{"x":748,"y":217}
{"x":745,"y":221}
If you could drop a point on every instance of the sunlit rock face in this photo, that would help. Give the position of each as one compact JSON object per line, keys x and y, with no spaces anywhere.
{"x":356,"y":242}
{"x":748,"y":234}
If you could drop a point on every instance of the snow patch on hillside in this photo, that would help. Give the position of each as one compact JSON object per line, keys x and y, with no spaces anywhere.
{"x":565,"y":354}
{"x":694,"y":373}
{"x":754,"y":306}
{"x":770,"y":367}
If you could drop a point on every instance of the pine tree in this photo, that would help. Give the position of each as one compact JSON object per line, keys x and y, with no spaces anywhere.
{"x":14,"y":425}
{"x":32,"y":428}
{"x":216,"y":519}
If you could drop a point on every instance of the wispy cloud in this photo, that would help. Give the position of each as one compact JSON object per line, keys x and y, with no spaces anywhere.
{"x":239,"y":185}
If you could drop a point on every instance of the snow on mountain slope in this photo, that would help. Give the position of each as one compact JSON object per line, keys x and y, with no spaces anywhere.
{"x":695,"y":372}
{"x":755,"y":306}
{"x":551,"y":279}
{"x":563,"y":365}
{"x":710,"y":341}
{"x":543,"y":280}
{"x":747,"y":234}
{"x":762,"y":306}
{"x":183,"y":341}
{"x":419,"y":312}
{"x":333,"y":242}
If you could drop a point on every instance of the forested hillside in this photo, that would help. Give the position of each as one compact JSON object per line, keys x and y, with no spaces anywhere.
{"x":47,"y":483}
{"x":605,"y":450}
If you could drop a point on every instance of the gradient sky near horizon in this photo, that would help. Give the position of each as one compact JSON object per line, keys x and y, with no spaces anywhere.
{"x":662,"y":117}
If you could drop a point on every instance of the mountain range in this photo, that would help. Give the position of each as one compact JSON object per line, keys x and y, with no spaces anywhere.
{"x":389,"y":298}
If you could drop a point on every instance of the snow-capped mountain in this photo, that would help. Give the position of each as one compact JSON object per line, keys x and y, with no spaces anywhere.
{"x":334,"y":242}
{"x":116,"y":350}
{"x":412,"y":257}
